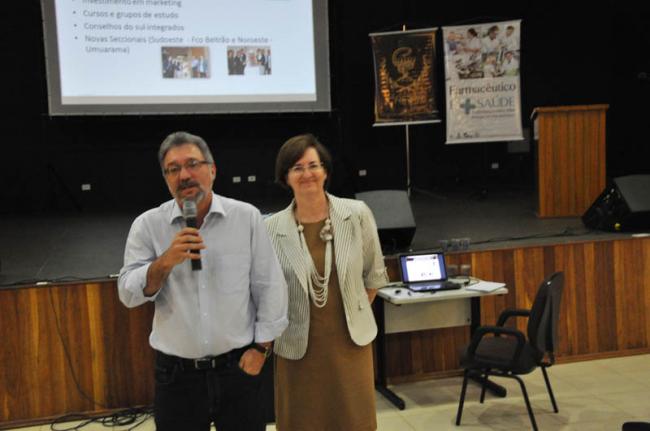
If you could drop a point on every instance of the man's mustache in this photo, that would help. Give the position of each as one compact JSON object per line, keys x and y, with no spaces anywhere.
{"x":185,"y":184}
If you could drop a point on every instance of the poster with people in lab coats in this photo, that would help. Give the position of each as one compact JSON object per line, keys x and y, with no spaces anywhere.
{"x":482,"y":82}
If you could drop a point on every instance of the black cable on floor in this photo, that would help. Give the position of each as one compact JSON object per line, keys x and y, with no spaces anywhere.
{"x":120,"y":418}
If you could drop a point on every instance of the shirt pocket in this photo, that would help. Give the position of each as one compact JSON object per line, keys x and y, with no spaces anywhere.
{"x":232,"y":272}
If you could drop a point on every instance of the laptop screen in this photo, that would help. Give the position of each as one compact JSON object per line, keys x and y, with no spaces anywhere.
{"x":422,"y":267}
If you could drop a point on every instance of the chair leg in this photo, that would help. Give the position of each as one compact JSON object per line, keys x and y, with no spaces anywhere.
{"x":528,"y":406}
{"x":484,"y":384}
{"x":550,"y":391}
{"x":462,"y":396}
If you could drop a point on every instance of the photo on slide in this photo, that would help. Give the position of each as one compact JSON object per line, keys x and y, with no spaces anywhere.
{"x":249,"y":60}
{"x":185,"y":62}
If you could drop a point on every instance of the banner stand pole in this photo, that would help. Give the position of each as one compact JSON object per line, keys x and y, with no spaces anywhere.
{"x":408,"y":163}
{"x":408,"y":152}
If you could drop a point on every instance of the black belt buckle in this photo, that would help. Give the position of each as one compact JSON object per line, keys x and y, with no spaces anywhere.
{"x":205,"y":363}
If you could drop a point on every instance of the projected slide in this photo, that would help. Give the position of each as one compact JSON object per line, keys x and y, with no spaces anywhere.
{"x":195,"y":55}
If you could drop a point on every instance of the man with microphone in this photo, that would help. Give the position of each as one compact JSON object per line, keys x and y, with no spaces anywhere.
{"x":220,"y":296}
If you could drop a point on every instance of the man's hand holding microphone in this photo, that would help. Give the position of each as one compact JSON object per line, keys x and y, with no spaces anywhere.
{"x":187,"y":244}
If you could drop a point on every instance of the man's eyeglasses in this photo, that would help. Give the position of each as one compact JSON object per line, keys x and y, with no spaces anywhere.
{"x":300,"y":169}
{"x":192,"y":165}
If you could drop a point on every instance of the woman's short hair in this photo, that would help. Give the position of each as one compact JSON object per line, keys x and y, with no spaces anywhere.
{"x":293,"y":150}
{"x":177,"y":139}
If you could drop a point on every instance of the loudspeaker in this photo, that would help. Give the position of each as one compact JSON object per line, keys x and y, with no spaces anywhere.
{"x":394,"y":217}
{"x":623,"y":206}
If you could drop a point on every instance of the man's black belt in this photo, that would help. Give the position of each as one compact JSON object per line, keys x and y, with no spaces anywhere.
{"x":205,"y":363}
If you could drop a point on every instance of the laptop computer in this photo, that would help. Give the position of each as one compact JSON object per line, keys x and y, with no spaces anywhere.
{"x":425,"y":272}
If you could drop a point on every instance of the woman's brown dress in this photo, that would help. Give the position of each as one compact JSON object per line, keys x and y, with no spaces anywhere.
{"x":332,"y":387}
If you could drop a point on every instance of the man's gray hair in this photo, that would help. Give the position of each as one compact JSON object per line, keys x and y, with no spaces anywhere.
{"x":177,"y":139}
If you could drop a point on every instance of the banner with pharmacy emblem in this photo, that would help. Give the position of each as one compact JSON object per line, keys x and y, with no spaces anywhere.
{"x":405,"y":77}
{"x":482,"y":82}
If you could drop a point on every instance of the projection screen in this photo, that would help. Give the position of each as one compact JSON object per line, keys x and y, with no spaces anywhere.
{"x":112,"y":57}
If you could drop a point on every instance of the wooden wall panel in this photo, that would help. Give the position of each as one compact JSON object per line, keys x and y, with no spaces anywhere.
{"x":605,"y":297}
{"x":605,"y":307}
{"x":605,"y":312}
{"x":570,"y":158}
{"x":414,"y":355}
{"x":644,"y":271}
{"x":108,"y":355}
{"x":629,"y":295}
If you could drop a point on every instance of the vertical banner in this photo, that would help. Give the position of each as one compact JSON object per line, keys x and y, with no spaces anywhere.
{"x":482,"y":82}
{"x":405,"y":77}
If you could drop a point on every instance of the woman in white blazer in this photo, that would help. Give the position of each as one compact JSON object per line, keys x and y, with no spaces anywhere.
{"x":330,"y":254}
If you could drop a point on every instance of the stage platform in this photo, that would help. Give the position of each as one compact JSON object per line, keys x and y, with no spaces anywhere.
{"x":82,"y":246}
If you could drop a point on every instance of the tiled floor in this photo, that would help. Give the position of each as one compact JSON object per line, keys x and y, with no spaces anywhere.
{"x":593,"y":395}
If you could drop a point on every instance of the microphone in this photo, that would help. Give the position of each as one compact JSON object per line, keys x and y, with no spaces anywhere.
{"x":189,"y":214}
